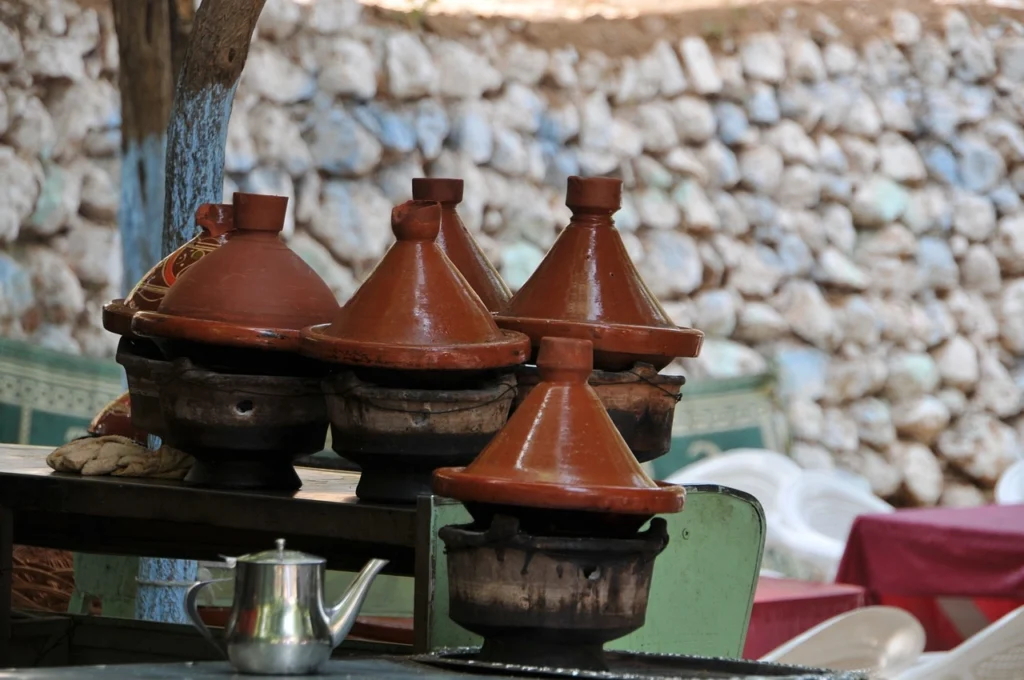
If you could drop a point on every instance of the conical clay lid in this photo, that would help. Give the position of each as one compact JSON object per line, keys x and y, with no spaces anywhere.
{"x":459,"y":245}
{"x":560,"y":450}
{"x":253,"y":291}
{"x":215,"y":221}
{"x":415,"y":311}
{"x":587,"y":287}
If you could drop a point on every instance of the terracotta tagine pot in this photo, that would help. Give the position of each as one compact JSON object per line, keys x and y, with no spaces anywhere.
{"x":252,"y":293}
{"x":554,"y":564}
{"x":641,"y":402}
{"x":587,"y":287}
{"x":548,"y":602}
{"x":459,"y":245}
{"x":424,"y":374}
{"x":236,"y":395}
{"x":142,"y":361}
{"x":116,"y":419}
{"x":559,"y":460}
{"x":415,"y":311}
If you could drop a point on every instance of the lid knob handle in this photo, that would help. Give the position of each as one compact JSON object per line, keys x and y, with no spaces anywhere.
{"x":440,"y":189}
{"x":416,"y":221}
{"x":280,"y":544}
{"x":565,"y":360}
{"x":593,"y":194}
{"x":259,"y":212}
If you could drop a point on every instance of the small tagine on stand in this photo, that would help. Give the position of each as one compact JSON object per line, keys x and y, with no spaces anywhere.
{"x":554,"y":564}
{"x":238,"y":397}
{"x":427,"y":377}
{"x":587,"y":287}
{"x":141,"y":359}
{"x":459,"y":245}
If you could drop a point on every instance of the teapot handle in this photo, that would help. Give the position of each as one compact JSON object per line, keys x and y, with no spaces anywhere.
{"x":192,"y":609}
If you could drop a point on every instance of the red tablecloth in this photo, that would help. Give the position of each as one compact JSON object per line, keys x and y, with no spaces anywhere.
{"x":956,"y":569}
{"x":783,"y":609}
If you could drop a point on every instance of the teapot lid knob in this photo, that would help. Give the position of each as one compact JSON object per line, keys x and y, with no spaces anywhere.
{"x":279,"y":555}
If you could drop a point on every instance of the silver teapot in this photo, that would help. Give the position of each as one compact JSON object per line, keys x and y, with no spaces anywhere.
{"x":279,"y":624}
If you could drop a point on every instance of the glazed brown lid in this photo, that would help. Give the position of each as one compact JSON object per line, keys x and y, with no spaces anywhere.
{"x":251,"y":292}
{"x":214,"y":221}
{"x":560,"y":450}
{"x":459,"y":245}
{"x":415,"y":311}
{"x":587,"y":287}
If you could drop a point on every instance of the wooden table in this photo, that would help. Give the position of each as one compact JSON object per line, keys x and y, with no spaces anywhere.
{"x":700,"y":600}
{"x":161,"y":518}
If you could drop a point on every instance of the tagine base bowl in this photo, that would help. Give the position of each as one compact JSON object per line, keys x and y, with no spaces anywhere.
{"x":243,"y":430}
{"x":556,"y":522}
{"x":214,"y":470}
{"x":381,"y":481}
{"x":640,"y":401}
{"x":555,"y":601}
{"x":239,"y":360}
{"x":399,"y":436}
{"x":144,"y":370}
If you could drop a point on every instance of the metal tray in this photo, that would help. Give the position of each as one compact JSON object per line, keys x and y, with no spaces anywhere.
{"x":637,"y":666}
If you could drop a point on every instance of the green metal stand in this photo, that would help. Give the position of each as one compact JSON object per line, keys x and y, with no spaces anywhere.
{"x":109,"y":578}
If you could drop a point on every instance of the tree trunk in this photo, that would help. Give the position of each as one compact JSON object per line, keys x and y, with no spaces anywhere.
{"x":144,"y":46}
{"x":196,"y":139}
{"x":183,"y":14}
{"x":144,"y":78}
{"x":152,"y":41}
{"x":198,"y":130}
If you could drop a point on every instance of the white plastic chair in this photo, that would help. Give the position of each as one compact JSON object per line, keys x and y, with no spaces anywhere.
{"x":759,"y":472}
{"x":852,"y":477}
{"x":996,"y":653}
{"x":816,"y":513}
{"x":883,"y":641}
{"x":1010,"y":488}
{"x":926,"y":659}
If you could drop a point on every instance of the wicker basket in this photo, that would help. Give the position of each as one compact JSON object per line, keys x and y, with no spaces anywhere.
{"x":42,"y":579}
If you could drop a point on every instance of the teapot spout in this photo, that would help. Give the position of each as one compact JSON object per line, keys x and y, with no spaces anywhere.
{"x":343,"y":615}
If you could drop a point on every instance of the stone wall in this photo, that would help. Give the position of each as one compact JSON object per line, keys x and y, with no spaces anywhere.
{"x":838,"y":200}
{"x":59,"y":114}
